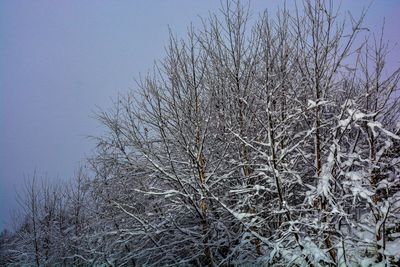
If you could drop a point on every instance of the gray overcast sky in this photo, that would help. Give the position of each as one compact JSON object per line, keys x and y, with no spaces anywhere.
{"x":59,"y":60}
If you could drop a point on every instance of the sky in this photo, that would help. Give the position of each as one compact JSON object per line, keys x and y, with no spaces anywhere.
{"x":60,"y":61}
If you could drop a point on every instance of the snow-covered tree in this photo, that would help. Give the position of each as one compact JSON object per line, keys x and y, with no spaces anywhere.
{"x":270,"y":140}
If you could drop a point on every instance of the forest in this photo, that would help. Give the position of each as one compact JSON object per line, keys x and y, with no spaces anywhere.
{"x":258,"y":140}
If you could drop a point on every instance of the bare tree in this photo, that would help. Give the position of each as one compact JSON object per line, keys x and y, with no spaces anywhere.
{"x":255,"y":140}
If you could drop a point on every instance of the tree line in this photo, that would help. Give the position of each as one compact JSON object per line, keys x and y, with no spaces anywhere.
{"x":258,"y":140}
